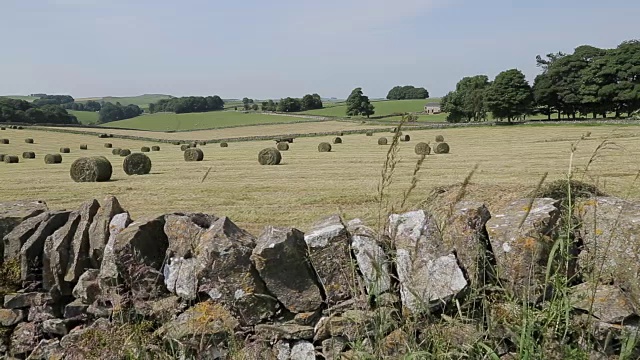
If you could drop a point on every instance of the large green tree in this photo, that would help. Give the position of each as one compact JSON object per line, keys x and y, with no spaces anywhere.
{"x":509,"y":96}
{"x":310,"y":102}
{"x":359,"y":104}
{"x":407,"y":92}
{"x":467,"y":103}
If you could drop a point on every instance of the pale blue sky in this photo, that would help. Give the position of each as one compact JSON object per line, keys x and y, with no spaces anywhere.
{"x":272,"y":49}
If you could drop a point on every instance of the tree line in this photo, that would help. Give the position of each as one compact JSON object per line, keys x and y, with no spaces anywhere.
{"x":114,"y":112}
{"x":90,"y":105}
{"x":188,"y":104}
{"x":289,"y":104}
{"x":407,"y":92}
{"x":12,"y":110}
{"x":589,"y":81}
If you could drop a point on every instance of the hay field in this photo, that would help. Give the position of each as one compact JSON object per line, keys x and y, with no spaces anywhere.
{"x":309,"y":184}
{"x":240,"y":131}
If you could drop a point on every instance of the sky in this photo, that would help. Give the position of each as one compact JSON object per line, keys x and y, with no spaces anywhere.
{"x":273,"y":49}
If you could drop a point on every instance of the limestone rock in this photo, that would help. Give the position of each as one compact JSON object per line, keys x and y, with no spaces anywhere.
{"x":332,"y":347}
{"x":287,"y":331}
{"x":303,"y":350}
{"x":204,"y":323}
{"x":427,"y":274}
{"x":372,"y":261}
{"x":87,"y":289}
{"x":40,"y":313}
{"x":99,"y":230}
{"x":74,"y":309}
{"x":328,"y":242}
{"x":282,"y":350}
{"x":55,"y":258}
{"x":25,"y":300}
{"x":606,"y":302}
{"x":522,"y":245}
{"x":32,"y":250}
{"x":14,"y":240}
{"x":56,"y":327}
{"x":10,"y":317}
{"x":610,"y":233}
{"x":47,"y":350}
{"x":180,"y":277}
{"x":108,"y":269}
{"x":79,"y":249}
{"x":281,"y":258}
{"x":13,"y":214}
{"x":162,"y":310}
{"x":25,"y":338}
{"x":139,"y":252}
{"x":466,"y":235}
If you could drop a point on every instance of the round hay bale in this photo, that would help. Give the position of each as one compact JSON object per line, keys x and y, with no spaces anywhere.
{"x":382,"y":141}
{"x":19,"y":128}
{"x":405,"y":138}
{"x":28,"y":155}
{"x":439,"y":138}
{"x":3,"y":128}
{"x":224,"y":144}
{"x":155,"y":148}
{"x":11,"y":159}
{"x":176,"y":142}
{"x":65,"y":150}
{"x":193,"y":144}
{"x":110,"y":135}
{"x":103,"y":136}
{"x":340,"y":133}
{"x":203,"y":143}
{"x":422,"y":149}
{"x":184,"y":147}
{"x":115,"y":151}
{"x":108,"y":145}
{"x":441,"y":148}
{"x":4,"y":141}
{"x":124,"y":152}
{"x":145,"y":149}
{"x":53,"y":159}
{"x":91,"y":169}
{"x":269,"y":156}
{"x":28,"y":141}
{"x":369,"y":133}
{"x":282,"y":146}
{"x":324,"y":147}
{"x":2,"y":157}
{"x":136,"y":164}
{"x":84,"y":147}
{"x":193,"y":154}
{"x":337,"y":140}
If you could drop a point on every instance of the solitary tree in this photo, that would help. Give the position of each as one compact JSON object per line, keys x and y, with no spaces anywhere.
{"x":359,"y":104}
{"x":509,"y":96}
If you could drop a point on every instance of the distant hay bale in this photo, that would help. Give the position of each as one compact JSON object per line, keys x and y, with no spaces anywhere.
{"x":28,"y":141}
{"x":184,"y":147}
{"x":324,"y":147}
{"x":269,"y":156}
{"x":115,"y":151}
{"x":224,"y":144}
{"x":53,"y":159}
{"x":282,"y":146}
{"x":395,"y":130}
{"x":28,"y":155}
{"x":19,"y":127}
{"x":340,"y":133}
{"x":84,"y":147}
{"x":203,"y":143}
{"x":145,"y":149}
{"x":124,"y":152}
{"x":422,"y":149}
{"x":193,"y":144}
{"x":405,"y":138}
{"x":103,"y":136}
{"x":337,"y":140}
{"x":4,"y":141}
{"x":382,"y":141}
{"x":110,"y":135}
{"x":108,"y":145}
{"x":2,"y":157}
{"x":91,"y":169}
{"x":11,"y":159}
{"x":3,"y":128}
{"x":439,"y":138}
{"x":175,"y":142}
{"x":65,"y":150}
{"x":441,"y":148}
{"x":369,"y":133}
{"x":155,"y":148}
{"x":136,"y":164}
{"x":193,"y":154}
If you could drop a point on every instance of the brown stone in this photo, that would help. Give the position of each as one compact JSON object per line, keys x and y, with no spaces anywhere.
{"x":99,"y":229}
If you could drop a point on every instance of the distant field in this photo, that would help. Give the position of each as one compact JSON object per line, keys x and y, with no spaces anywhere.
{"x":85,"y":117}
{"x":142,"y":100}
{"x":383,"y":107}
{"x":309,"y":184}
{"x":20,"y":97}
{"x":195,"y":121}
